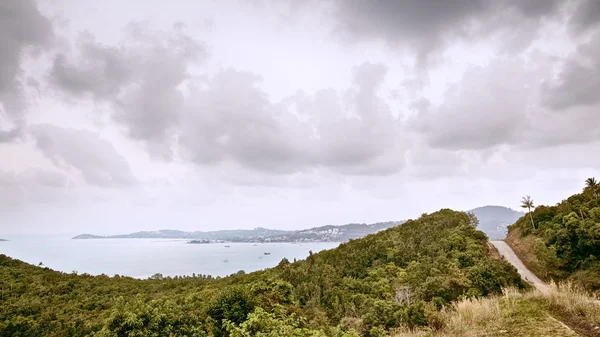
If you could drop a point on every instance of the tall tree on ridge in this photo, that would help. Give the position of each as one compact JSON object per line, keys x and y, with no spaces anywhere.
{"x":592,"y":183}
{"x":527,"y":202}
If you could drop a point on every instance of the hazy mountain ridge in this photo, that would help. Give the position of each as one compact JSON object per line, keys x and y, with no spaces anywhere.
{"x":335,"y":233}
{"x":328,"y":233}
{"x":494,"y":220}
{"x":235,"y":235}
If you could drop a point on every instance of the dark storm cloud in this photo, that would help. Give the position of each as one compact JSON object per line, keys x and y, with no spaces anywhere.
{"x":95,"y":158}
{"x":421,"y":24}
{"x":101,"y":75}
{"x":533,"y":8}
{"x":140,"y":79}
{"x":22,"y":26}
{"x":429,"y":25}
{"x":503,"y":104}
{"x":578,"y":82}
{"x":586,"y":15}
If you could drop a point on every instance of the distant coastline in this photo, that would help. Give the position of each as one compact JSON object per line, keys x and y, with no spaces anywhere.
{"x":328,"y":233}
{"x":493,"y":220}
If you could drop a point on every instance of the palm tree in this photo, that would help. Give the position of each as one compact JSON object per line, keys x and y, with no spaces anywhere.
{"x":527,"y":202}
{"x":592,"y":183}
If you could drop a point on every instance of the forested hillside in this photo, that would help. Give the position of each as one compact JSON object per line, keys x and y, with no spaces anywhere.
{"x":563,"y":241}
{"x":400,"y":276}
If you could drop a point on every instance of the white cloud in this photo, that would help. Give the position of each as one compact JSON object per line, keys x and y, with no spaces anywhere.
{"x":250,"y":121}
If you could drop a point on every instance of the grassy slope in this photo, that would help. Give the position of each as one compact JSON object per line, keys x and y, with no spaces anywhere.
{"x":565,"y":311}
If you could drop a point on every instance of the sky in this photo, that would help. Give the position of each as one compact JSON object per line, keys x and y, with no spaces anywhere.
{"x":140,"y":115}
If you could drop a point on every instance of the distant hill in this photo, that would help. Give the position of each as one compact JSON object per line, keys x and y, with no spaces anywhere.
{"x":494,"y":220}
{"x":335,"y":233}
{"x":316,"y":234}
{"x":236,"y":235}
{"x":88,"y":236}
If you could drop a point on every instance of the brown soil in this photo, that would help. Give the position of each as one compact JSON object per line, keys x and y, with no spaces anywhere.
{"x":523,"y":247}
{"x":578,"y":324}
{"x":493,"y":251}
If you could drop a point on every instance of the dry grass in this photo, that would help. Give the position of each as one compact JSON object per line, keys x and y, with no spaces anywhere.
{"x":470,"y":315}
{"x":479,"y":312}
{"x":512,"y":314}
{"x":572,"y":305}
{"x":573,"y":300}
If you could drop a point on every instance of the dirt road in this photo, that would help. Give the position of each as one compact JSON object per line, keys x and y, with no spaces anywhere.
{"x":510,"y":256}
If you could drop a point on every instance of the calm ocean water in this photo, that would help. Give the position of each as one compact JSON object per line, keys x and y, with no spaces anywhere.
{"x":143,"y":258}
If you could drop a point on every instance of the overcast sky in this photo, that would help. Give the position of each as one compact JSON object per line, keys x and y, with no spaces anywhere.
{"x":118,"y":116}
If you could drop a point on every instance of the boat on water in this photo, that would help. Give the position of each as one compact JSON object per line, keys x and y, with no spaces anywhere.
{"x":267,"y":253}
{"x":227,"y":246}
{"x":225,"y":260}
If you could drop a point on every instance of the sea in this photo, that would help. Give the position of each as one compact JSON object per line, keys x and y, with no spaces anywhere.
{"x":143,"y":258}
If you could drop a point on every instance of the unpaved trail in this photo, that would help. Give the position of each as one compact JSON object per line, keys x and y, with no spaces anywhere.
{"x":526,"y":274}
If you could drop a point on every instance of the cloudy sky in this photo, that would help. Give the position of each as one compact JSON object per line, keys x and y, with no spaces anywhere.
{"x":121,"y":116}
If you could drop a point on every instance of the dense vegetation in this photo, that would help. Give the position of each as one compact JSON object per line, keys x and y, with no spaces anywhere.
{"x":563,"y":241}
{"x":398,"y":277}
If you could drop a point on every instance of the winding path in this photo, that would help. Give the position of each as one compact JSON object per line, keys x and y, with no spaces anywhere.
{"x":526,"y":274}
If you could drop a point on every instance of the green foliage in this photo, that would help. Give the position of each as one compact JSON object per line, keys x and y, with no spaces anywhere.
{"x":278,"y":323}
{"x":567,"y":237}
{"x":401,"y":276}
{"x":154,"y":318}
{"x":232,"y":305}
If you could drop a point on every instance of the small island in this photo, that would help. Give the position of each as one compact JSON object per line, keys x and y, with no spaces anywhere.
{"x":199,"y":241}
{"x":3,"y":240}
{"x":88,"y":236}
